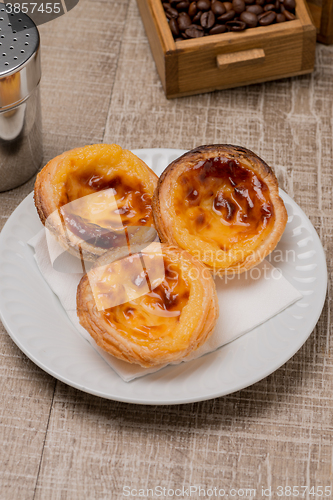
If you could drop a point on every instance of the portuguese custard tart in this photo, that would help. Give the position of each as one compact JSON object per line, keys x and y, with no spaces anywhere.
{"x":221,"y":203}
{"x":150,"y":308}
{"x":96,"y":198}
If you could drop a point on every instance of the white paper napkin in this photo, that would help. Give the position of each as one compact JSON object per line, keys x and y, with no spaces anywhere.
{"x":245,"y":301}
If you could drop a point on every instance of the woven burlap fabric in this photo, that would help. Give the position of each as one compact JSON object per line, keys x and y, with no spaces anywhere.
{"x":100,"y":84}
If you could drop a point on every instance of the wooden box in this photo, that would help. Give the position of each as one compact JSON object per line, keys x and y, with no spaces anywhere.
{"x":230,"y":59}
{"x":322,"y":14}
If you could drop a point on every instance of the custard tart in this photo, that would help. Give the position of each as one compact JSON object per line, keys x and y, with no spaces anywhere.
{"x":221,"y":203}
{"x":150,"y":308}
{"x":96,"y":198}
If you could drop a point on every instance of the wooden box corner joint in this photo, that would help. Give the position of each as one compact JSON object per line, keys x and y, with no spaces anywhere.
{"x":322,"y":15}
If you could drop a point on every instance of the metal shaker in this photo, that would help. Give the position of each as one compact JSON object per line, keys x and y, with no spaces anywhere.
{"x":21,"y":150}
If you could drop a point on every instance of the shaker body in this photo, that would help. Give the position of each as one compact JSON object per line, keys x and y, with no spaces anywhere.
{"x":20,"y":111}
{"x":21,"y":150}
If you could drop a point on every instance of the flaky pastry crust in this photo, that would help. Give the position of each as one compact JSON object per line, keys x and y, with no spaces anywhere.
{"x":221,"y":203}
{"x":162,"y":326}
{"x":82,"y":174}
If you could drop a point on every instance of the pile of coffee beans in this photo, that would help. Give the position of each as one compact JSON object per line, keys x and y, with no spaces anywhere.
{"x":210,"y":17}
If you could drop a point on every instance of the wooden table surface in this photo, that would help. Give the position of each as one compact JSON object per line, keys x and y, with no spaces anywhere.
{"x":100,"y":84}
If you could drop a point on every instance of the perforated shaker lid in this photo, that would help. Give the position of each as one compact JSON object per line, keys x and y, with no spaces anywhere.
{"x":20,"y":70}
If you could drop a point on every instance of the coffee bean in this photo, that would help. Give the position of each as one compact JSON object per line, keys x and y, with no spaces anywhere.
{"x":171,"y":13}
{"x":249,"y":18}
{"x":228,"y":16}
{"x":280,"y":18}
{"x":183,"y":6}
{"x":255,"y":9}
{"x":267,"y":18}
{"x":235,"y":25}
{"x":184,"y":21}
{"x":194,"y":31}
{"x":197,"y":17}
{"x":289,"y":4}
{"x":250,"y":2}
{"x":260,"y":2}
{"x":218,"y":8}
{"x":217,"y":29}
{"x":238,"y":6}
{"x":192,"y":10}
{"x":203,"y":5}
{"x":227,"y":6}
{"x":207,"y":20}
{"x":277,"y":5}
{"x":289,"y":16}
{"x":268,"y":7}
{"x":166,"y":6}
{"x":174,"y":27}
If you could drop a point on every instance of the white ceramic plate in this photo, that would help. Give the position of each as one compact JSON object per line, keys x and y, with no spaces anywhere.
{"x":39,"y":326}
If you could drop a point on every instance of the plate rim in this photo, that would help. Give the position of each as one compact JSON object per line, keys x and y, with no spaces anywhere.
{"x":192,"y":399}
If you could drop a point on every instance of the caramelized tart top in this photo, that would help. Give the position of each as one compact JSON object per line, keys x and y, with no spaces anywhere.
{"x":152,"y":312}
{"x":222,"y":204}
{"x":94,"y":193}
{"x":152,"y":307}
